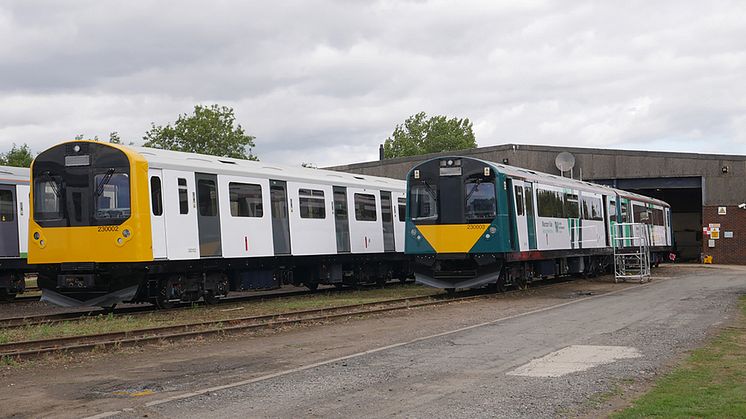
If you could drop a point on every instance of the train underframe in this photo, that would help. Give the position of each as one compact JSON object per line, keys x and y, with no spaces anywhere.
{"x":166,"y":283}
{"x":12,"y":278}
{"x":503,"y":270}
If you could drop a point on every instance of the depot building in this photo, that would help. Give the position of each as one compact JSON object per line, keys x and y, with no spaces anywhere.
{"x":704,"y":190}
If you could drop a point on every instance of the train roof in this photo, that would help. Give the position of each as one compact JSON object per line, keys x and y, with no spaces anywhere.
{"x":533,"y":175}
{"x":229,"y":166}
{"x":14,"y":174}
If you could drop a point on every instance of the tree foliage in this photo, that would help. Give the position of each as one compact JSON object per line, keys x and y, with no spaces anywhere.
{"x":422,"y":135}
{"x":17,"y":156}
{"x":210,"y":130}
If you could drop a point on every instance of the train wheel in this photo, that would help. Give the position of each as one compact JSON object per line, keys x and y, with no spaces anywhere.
{"x":210,"y":298}
{"x":313,"y":286}
{"x":163,"y":303}
{"x":6,"y":296}
{"x":450,"y":291}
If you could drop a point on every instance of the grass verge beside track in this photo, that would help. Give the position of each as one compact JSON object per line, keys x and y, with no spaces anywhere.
{"x":710,"y":383}
{"x":120,"y":323}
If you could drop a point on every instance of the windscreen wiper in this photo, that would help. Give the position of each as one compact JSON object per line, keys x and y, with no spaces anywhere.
{"x":104,"y":180}
{"x":53,"y":183}
{"x":473,"y":189}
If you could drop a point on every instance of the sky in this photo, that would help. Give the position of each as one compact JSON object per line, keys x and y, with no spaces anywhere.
{"x":325,"y":82}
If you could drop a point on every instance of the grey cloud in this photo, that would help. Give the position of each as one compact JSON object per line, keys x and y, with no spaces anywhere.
{"x":327,"y":81}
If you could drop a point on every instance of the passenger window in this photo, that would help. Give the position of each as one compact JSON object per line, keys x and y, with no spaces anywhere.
{"x":7,"y":209}
{"x":246,"y":200}
{"x":612,"y":210}
{"x":402,"y":209}
{"x":572,"y":208}
{"x":156,"y":195}
{"x":207,"y":198}
{"x":365,"y":207}
{"x":311,"y":203}
{"x":183,"y":196}
{"x":550,"y":203}
{"x":592,"y":208}
{"x":519,"y":200}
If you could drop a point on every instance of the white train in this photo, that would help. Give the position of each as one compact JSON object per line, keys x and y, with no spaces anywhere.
{"x":472,"y":222}
{"x":114,"y":223}
{"x":14,"y":214}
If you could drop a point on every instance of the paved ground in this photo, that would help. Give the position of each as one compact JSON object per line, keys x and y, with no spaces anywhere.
{"x":389,"y":366}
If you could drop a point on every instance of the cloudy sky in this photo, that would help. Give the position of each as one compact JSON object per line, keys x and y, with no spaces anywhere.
{"x":326,"y":81}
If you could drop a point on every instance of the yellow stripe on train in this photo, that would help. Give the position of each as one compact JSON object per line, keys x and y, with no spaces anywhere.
{"x":452,"y":238}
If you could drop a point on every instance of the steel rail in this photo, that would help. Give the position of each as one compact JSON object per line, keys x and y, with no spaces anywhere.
{"x":27,"y":349}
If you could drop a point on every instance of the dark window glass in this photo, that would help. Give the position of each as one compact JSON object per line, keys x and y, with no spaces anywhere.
{"x":529,"y":200}
{"x":340,"y":205}
{"x":365,"y":207}
{"x":113,"y":196}
{"x":641,"y":214}
{"x":481,"y":204}
{"x":7,"y":209}
{"x":424,"y":203}
{"x":550,"y":203}
{"x":572,"y":208}
{"x":658,"y":217}
{"x":311,"y":203}
{"x":47,"y":199}
{"x":519,"y":200}
{"x":592,"y":208}
{"x":625,"y":212}
{"x":402,"y":209}
{"x":386,"y":211}
{"x":207,"y":198}
{"x":183,"y":196}
{"x":246,"y":200}
{"x":156,"y":195}
{"x":612,"y":210}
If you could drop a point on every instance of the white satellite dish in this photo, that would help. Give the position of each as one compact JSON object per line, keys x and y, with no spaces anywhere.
{"x":564,"y":162}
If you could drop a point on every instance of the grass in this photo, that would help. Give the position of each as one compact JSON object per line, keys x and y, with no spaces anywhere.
{"x":710,"y":383}
{"x":120,"y":323}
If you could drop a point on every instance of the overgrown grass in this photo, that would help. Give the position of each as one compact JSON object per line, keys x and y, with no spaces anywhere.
{"x":710,"y":383}
{"x":119,"y":323}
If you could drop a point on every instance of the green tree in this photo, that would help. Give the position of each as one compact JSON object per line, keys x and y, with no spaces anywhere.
{"x":114,"y":138}
{"x":17,"y":156}
{"x":210,"y":130}
{"x":422,"y":135}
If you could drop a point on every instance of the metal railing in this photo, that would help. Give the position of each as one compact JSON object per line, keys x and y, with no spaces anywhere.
{"x":631,"y":242}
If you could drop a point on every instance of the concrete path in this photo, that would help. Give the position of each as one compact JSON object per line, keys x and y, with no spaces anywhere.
{"x":545,"y":363}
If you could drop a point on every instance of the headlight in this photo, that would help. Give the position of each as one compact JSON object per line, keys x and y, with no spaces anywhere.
{"x":126,"y":233}
{"x":36,"y":235}
{"x":493,"y":230}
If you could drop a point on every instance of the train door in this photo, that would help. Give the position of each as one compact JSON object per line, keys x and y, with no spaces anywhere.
{"x":528,"y":192}
{"x":341,"y":219}
{"x":8,"y":222}
{"x":520,"y":214}
{"x":400,"y":216}
{"x":387,"y":218}
{"x":208,"y":216}
{"x":280,"y":216}
{"x":157,"y":223}
{"x":610,"y":217}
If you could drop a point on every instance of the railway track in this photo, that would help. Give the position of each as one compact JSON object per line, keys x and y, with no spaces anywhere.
{"x":29,"y":349}
{"x":33,"y":348}
{"x":24,"y":321}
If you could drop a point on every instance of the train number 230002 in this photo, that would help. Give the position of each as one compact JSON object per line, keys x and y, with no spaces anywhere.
{"x":102,"y":229}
